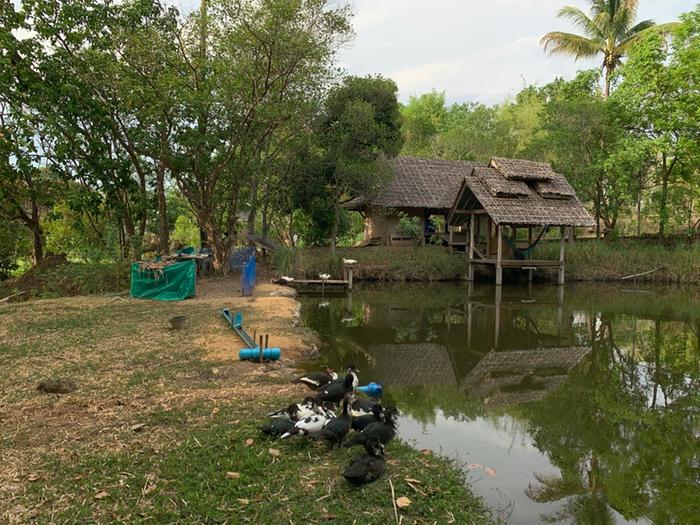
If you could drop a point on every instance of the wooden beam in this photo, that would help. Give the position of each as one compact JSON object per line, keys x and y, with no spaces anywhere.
{"x":499,"y":255}
{"x":562,"y":244}
{"x":470,"y":271}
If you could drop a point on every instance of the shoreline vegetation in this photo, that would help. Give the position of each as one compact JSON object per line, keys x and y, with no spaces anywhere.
{"x":586,"y":261}
{"x":163,"y":426}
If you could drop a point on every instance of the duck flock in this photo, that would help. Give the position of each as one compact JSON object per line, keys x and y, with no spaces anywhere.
{"x":331,"y":414}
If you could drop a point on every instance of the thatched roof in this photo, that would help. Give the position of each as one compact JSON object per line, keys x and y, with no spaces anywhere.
{"x":419,"y":183}
{"x":521,"y":193}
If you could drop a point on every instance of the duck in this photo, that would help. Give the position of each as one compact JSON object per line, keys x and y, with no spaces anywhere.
{"x":384,"y":431}
{"x":316,"y":380}
{"x":324,"y":276}
{"x":277,"y":427}
{"x":350,"y":369}
{"x":335,"y":391}
{"x":362,"y":407}
{"x":336,"y":429}
{"x":375,"y":416}
{"x":295,"y":411}
{"x":368,"y":467}
{"x":309,"y":426}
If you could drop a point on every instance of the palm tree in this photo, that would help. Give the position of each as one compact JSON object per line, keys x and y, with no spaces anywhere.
{"x":609,"y":30}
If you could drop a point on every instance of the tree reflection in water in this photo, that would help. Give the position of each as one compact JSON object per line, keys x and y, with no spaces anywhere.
{"x":604,"y":384}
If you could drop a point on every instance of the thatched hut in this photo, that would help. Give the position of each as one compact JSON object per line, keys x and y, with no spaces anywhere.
{"x":514,"y":194}
{"x":421,"y":188}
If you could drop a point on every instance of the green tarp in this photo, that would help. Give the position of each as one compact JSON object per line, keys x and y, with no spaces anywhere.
{"x":174,"y":283}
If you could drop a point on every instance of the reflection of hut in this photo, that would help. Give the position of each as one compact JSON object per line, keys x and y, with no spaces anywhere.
{"x":413,"y":364}
{"x":521,"y":376}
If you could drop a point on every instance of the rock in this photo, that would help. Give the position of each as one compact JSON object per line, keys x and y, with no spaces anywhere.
{"x":61,"y":385}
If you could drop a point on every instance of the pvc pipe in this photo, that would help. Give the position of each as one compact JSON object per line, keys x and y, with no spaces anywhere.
{"x":270,"y":354}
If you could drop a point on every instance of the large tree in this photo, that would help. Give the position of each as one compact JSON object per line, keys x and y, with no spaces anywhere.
{"x":610,"y":30}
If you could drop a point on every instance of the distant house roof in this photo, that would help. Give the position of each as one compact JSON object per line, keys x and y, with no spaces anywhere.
{"x":519,"y":192}
{"x":419,"y":183}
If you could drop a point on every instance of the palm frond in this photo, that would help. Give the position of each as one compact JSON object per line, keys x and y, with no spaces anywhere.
{"x":558,"y":43}
{"x":582,"y":21}
{"x":636,"y":32}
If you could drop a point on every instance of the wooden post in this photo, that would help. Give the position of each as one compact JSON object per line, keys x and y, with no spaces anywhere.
{"x":450,"y":229}
{"x":499,"y":255}
{"x":349,"y":277}
{"x":529,"y":255}
{"x":488,"y":237}
{"x":562,"y":244}
{"x":472,"y":225}
{"x":497,"y":316}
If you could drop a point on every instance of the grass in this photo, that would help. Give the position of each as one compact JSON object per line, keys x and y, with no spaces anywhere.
{"x":376,"y":263}
{"x":157,"y":423}
{"x":55,"y":277}
{"x":611,"y":260}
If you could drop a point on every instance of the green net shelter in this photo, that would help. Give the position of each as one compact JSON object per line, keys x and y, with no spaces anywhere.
{"x":174,"y":282}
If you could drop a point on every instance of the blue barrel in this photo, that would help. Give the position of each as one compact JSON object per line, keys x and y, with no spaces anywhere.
{"x":270,"y":354}
{"x":373,"y":389}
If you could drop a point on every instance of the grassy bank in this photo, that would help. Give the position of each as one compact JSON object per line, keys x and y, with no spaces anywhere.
{"x":586,"y":261}
{"x":375,"y":263}
{"x":611,"y":260}
{"x":55,"y":277}
{"x":159,"y":429}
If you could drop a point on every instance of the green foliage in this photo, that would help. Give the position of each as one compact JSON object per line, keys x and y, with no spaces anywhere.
{"x":411,"y":227}
{"x":186,"y":232}
{"x":10,"y":243}
{"x":424,"y":117}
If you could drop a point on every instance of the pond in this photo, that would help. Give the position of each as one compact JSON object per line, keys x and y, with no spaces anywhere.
{"x":563,"y":405}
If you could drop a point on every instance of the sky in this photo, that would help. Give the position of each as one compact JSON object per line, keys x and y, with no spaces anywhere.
{"x":473,"y":50}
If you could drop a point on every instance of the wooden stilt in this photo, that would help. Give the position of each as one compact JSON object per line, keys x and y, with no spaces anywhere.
{"x":488,"y":236}
{"x":470,"y":271}
{"x":497,"y":315}
{"x":562,"y":244}
{"x":499,"y":255}
{"x":450,"y":229}
{"x":529,"y":255}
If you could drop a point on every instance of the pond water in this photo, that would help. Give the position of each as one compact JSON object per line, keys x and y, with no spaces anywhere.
{"x":563,"y":405}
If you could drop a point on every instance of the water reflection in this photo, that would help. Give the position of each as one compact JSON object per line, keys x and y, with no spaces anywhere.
{"x":584,"y":402}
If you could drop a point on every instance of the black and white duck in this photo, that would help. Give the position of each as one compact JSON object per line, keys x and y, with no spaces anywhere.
{"x":362,"y":407}
{"x":277,"y":427}
{"x":315,"y":380}
{"x":336,"y":429}
{"x":384,"y":431}
{"x":350,"y":369}
{"x":295,"y":411}
{"x":309,"y":426}
{"x":368,"y":467}
{"x":375,"y":416}
{"x":335,"y":391}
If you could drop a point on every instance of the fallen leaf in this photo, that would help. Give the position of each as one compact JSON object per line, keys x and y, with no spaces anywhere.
{"x":249,"y":442}
{"x":150,"y":487}
{"x":236,"y":421}
{"x":243,"y":501}
{"x":426,"y":452}
{"x":473,"y":466}
{"x":403,"y":502}
{"x":274,"y":452}
{"x":215,"y":410}
{"x":33,"y":477}
{"x":138,"y":427}
{"x":101,"y":494}
{"x":491,"y":471}
{"x":233,"y":475}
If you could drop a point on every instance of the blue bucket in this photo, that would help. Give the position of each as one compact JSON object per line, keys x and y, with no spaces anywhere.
{"x":270,"y":354}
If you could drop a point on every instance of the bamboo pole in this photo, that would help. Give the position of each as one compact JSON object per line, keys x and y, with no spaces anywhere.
{"x":499,"y":255}
{"x":470,"y":271}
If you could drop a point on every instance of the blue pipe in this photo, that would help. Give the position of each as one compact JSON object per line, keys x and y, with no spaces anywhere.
{"x":270,"y":354}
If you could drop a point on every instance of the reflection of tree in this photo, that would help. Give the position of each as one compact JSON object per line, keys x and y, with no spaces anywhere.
{"x":614,"y":449}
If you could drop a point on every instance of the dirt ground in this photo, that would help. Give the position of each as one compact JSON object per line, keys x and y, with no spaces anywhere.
{"x":130,"y":366}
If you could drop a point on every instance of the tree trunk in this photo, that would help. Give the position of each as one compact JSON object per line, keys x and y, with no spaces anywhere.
{"x":253,"y":214}
{"x":639,"y":214}
{"x":163,"y":227}
{"x":608,"y":82}
{"x":334,"y":231}
{"x":598,"y":203}
{"x":663,"y":204}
